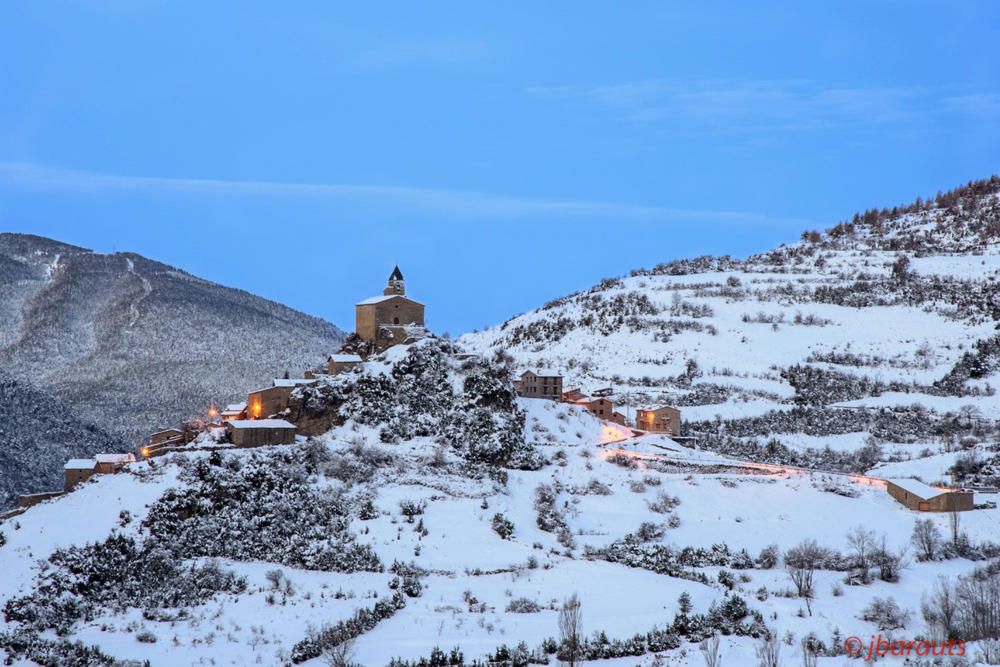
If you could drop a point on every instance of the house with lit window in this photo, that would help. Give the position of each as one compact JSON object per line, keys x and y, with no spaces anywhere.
{"x":665,"y":419}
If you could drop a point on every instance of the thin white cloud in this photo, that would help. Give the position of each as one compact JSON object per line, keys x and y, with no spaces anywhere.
{"x":749,"y":106}
{"x":449,"y":204}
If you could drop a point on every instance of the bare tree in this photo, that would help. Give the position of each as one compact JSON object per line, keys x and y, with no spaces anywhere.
{"x":954,"y":519}
{"x":809,"y":657}
{"x":710,"y":651}
{"x":889,"y":562}
{"x":989,"y":652}
{"x":969,"y":609}
{"x":801,"y":563}
{"x":926,"y":539}
{"x":939,"y":611}
{"x":862,"y":543}
{"x":339,"y":655}
{"x":571,"y":632}
{"x":769,"y":650}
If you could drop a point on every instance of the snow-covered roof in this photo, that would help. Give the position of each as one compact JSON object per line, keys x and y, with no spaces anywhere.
{"x":236,"y":407}
{"x":168,"y":430}
{"x":80,"y":464}
{"x":917,"y":488}
{"x":385,"y":297}
{"x":259,"y":423}
{"x":344,"y":358}
{"x":291,"y":382}
{"x":115,"y":458}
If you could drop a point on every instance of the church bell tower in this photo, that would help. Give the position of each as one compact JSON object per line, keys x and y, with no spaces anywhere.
{"x":396,"y":284}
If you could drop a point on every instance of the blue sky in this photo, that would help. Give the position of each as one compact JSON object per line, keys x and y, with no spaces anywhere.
{"x":502,"y":153}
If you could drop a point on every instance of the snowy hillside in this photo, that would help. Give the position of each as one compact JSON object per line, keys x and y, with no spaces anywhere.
{"x":133,"y":344}
{"x":38,"y":434}
{"x":896,"y":310}
{"x":450,"y":523}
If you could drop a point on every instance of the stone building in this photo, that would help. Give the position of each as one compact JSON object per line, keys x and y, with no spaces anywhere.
{"x":260,"y":432}
{"x":665,"y":419}
{"x":233,"y":411}
{"x":536,"y":385}
{"x":602,"y":408}
{"x":920,"y":497}
{"x":108,"y":464}
{"x":76,"y":472}
{"x":387,"y":320}
{"x":338,"y":363}
{"x":274,"y":399}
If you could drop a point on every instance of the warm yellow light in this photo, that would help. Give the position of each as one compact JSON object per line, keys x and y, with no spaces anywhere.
{"x":256,"y":409}
{"x":145,"y":452}
{"x":212,"y":412}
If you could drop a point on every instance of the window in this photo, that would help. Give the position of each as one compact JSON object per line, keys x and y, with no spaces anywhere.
{"x":395,"y":320}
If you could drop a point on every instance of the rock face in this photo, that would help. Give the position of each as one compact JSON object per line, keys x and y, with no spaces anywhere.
{"x":132,"y":344}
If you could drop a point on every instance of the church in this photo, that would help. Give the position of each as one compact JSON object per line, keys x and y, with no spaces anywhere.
{"x":389,"y":319}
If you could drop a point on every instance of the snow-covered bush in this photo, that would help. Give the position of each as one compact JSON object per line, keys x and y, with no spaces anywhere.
{"x":115,"y":574}
{"x":502,"y":526}
{"x":886,"y":614}
{"x":363,"y":620}
{"x":266,"y":507}
{"x":523,"y":606}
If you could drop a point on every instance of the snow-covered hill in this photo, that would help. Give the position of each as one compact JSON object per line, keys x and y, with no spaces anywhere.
{"x":134,"y":345}
{"x":449,"y":519}
{"x":894,"y":310}
{"x":435,"y":519}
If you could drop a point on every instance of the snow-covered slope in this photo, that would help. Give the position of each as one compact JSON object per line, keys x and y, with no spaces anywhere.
{"x":404,"y":544}
{"x":894,"y":310}
{"x":133,"y":344}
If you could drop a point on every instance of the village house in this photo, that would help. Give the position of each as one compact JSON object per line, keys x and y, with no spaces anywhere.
{"x":76,"y":472}
{"x":665,"y":419}
{"x":385,"y":320}
{"x":921,"y":497}
{"x":108,"y":464}
{"x":573,"y":395}
{"x":233,"y":411}
{"x":167,"y":435}
{"x":260,"y":432}
{"x":338,"y":363}
{"x":536,"y":385}
{"x":602,"y":408}
{"x":274,"y":399}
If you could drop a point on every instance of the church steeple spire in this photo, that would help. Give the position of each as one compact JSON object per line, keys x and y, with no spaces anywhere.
{"x":396,"y":283}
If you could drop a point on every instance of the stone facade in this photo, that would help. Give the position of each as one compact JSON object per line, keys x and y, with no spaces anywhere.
{"x":338,"y":363}
{"x":260,"y":432}
{"x":76,"y":472}
{"x":602,"y":408}
{"x":534,"y":385}
{"x":665,"y":419}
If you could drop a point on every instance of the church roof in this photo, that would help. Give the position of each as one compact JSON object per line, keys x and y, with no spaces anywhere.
{"x":386,"y":297}
{"x":396,"y":274}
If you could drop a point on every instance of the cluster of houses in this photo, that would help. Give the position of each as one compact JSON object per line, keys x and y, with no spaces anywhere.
{"x":77,"y":471}
{"x":381,"y":322}
{"x":665,"y":419}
